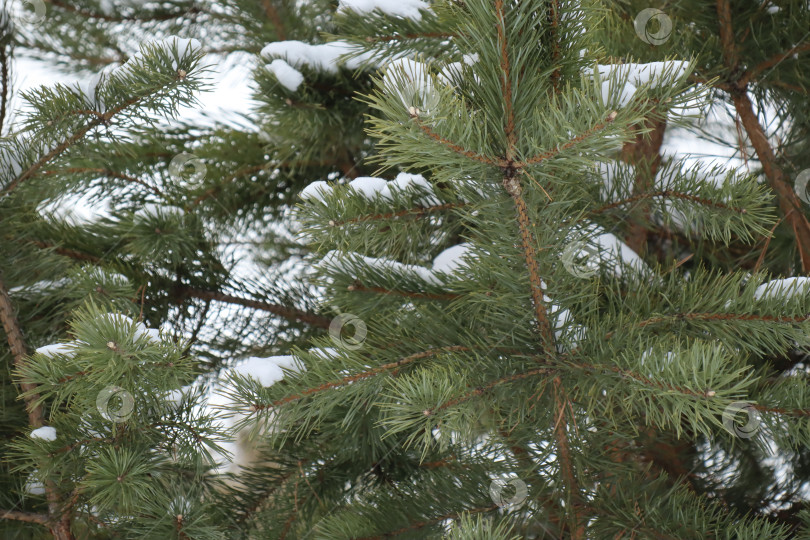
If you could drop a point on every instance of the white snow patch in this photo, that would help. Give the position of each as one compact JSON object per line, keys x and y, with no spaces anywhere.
{"x":327,"y":353}
{"x":452,"y":259}
{"x":289,"y":77}
{"x":653,"y":73}
{"x":369,"y":187}
{"x":410,"y":81}
{"x":602,"y":248}
{"x":46,"y":433}
{"x":634,"y":75}
{"x":266,"y":370}
{"x":316,"y":190}
{"x":34,"y":486}
{"x":786,"y":287}
{"x":243,"y":449}
{"x":405,"y":182}
{"x":323,"y":57}
{"x":616,"y":249}
{"x":41,"y":286}
{"x":88,"y":89}
{"x":407,"y":9}
{"x":51,"y":351}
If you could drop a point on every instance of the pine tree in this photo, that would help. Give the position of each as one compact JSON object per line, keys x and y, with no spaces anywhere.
{"x":530,"y":323}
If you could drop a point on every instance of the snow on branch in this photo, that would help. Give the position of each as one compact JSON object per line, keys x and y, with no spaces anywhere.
{"x":407,"y":9}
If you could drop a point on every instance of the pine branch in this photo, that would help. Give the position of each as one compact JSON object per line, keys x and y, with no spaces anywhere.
{"x":74,"y":138}
{"x":425,"y":523}
{"x":290,"y":313}
{"x":106,"y":172}
{"x":485,"y":388}
{"x":772,"y":62}
{"x":645,"y":153}
{"x":28,"y":517}
{"x":554,"y":23}
{"x":6,"y":87}
{"x":19,"y":352}
{"x":60,"y":521}
{"x":401,"y":37}
{"x":512,"y":186}
{"x":117,"y":19}
{"x":788,"y":200}
{"x":506,"y":83}
{"x":539,"y":158}
{"x":418,"y":211}
{"x":721,"y":317}
{"x":561,"y":405}
{"x":453,"y":146}
{"x":667,"y":194}
{"x":357,"y":286}
{"x":393,"y":367}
